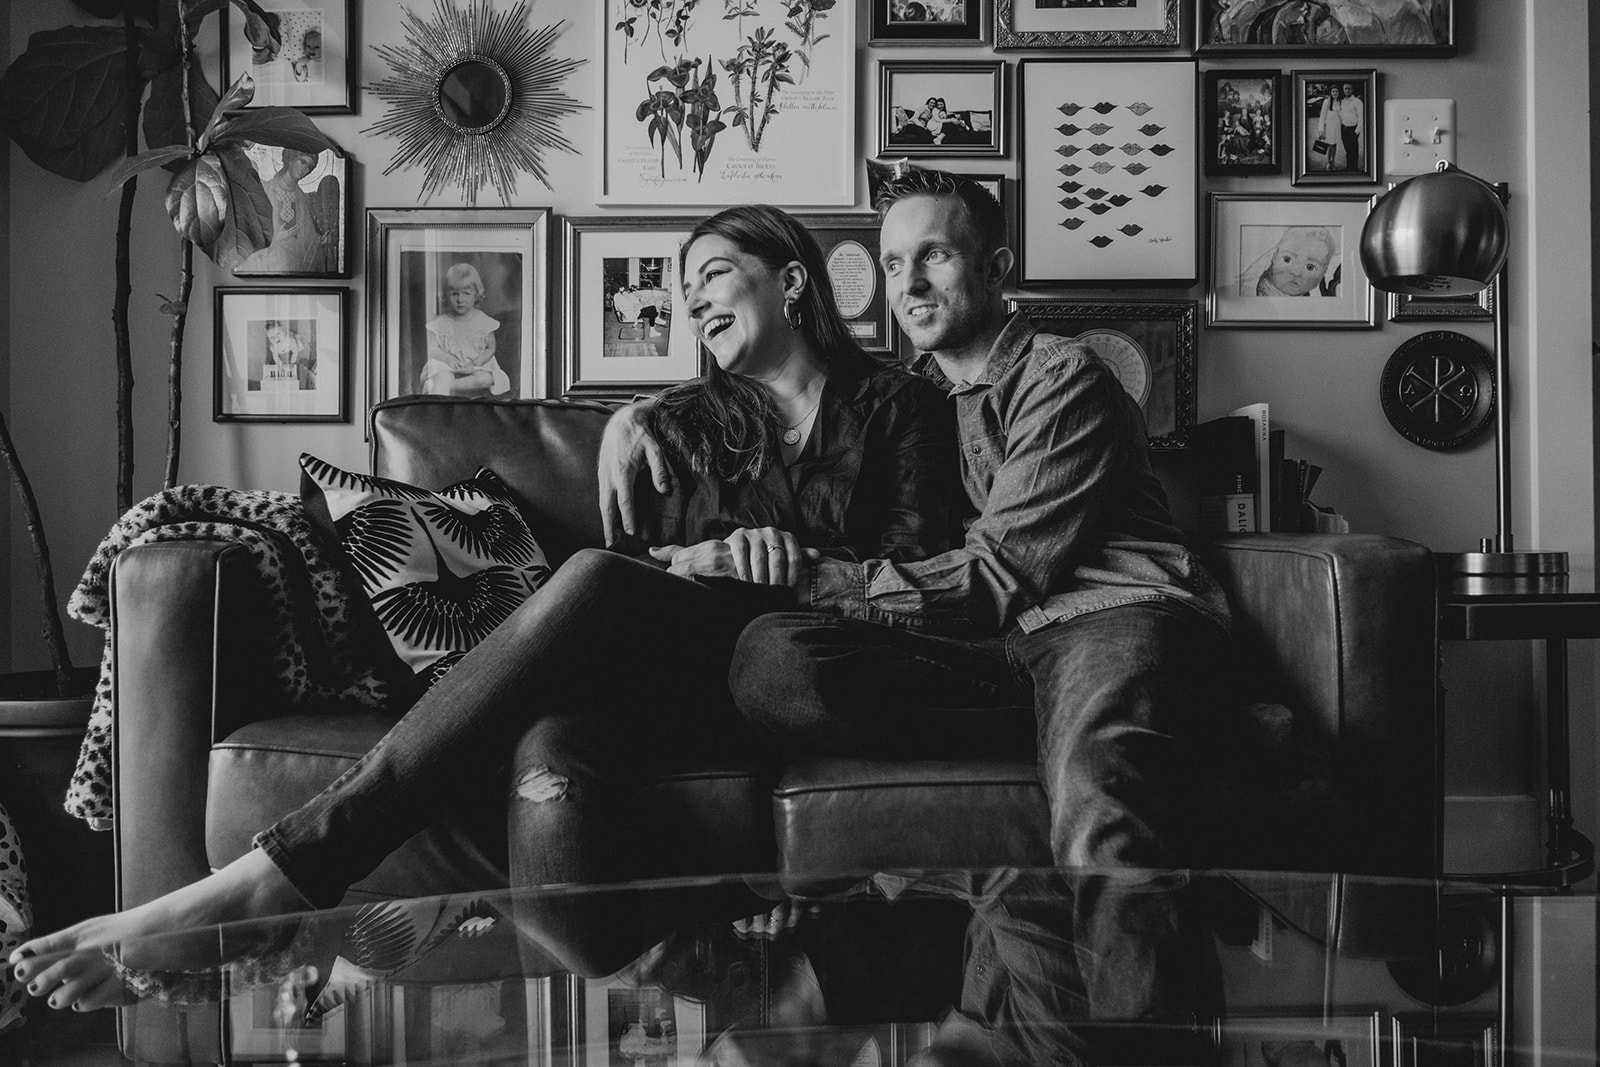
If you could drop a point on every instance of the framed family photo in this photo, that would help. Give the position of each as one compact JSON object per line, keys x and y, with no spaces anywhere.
{"x":619,"y":288}
{"x":1242,"y":121}
{"x":1335,"y":126}
{"x":1107,"y":172}
{"x":281,"y":355}
{"x":1082,"y":24}
{"x":1283,"y":1040}
{"x":1288,"y":260}
{"x":1151,"y":346}
{"x":1351,"y":27}
{"x":930,"y":108}
{"x":896,"y":22}
{"x":310,"y":198}
{"x":312,"y":68}
{"x":458,"y":301}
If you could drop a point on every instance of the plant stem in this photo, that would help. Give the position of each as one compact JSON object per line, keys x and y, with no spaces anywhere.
{"x":180,"y":317}
{"x":55,"y":637}
{"x":119,"y":307}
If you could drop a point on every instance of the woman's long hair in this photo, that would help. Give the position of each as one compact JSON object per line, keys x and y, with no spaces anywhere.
{"x":724,"y":424}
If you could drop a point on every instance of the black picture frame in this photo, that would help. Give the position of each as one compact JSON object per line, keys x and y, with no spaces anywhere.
{"x":320,"y":81}
{"x":1242,"y":122}
{"x":1151,"y":345}
{"x":890,"y":24}
{"x":280,"y":354}
{"x":311,"y":216}
{"x":1310,"y":99}
{"x":850,"y":247}
{"x":976,"y":124}
{"x":1020,"y":24}
{"x":1258,"y":32}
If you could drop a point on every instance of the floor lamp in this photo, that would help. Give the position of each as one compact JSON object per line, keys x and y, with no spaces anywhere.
{"x":1445,"y":233}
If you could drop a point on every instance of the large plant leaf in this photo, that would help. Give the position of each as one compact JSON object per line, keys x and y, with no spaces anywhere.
{"x":163,"y":111}
{"x":136,"y":165}
{"x":281,"y":126}
{"x":113,"y":9}
{"x":197,"y":201}
{"x":63,"y":100}
{"x":248,"y":223}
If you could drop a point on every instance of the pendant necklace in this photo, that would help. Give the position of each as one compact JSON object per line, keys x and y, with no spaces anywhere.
{"x":791,"y":434}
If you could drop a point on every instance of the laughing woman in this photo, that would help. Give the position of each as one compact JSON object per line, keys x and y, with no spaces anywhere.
{"x":794,"y":443}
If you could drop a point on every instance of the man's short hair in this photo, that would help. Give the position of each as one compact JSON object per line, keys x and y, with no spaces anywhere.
{"x":984,"y":213}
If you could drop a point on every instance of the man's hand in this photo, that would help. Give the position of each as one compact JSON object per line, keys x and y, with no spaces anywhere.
{"x":625,"y":446}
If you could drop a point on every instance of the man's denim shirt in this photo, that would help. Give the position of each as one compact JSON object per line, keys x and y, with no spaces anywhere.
{"x":1071,"y":517}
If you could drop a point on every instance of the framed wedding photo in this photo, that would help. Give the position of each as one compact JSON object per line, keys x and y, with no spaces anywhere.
{"x":929,"y":108}
{"x":310,"y":198}
{"x":281,"y":355}
{"x":458,"y":301}
{"x":1288,"y":260}
{"x":619,"y":289}
{"x":1242,"y":122}
{"x":908,"y":22}
{"x":1349,"y":28}
{"x":1076,"y":24}
{"x":313,"y":67}
{"x":1335,"y":140}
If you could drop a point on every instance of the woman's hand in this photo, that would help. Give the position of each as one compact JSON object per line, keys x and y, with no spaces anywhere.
{"x":767,"y":556}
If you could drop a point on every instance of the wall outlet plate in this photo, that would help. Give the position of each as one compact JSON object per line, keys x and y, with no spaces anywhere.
{"x":1431,"y":127}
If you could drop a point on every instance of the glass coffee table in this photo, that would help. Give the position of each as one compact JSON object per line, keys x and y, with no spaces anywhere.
{"x":893,"y":968}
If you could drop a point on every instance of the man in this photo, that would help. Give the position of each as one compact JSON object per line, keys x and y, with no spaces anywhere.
{"x":1351,"y":115}
{"x":1073,"y":613}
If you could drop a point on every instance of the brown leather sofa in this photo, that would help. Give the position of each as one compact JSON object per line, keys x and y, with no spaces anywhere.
{"x":1331,"y":764}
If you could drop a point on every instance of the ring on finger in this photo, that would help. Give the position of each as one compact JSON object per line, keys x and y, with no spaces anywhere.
{"x":774,"y":548}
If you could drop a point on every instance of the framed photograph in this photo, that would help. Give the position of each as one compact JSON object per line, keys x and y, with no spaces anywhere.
{"x":281,"y":355}
{"x":998,"y":187}
{"x":313,"y":68}
{"x":1084,"y":24}
{"x":458,"y":301}
{"x":269,"y":1023}
{"x":1285,"y":1040}
{"x":929,"y":108}
{"x":1350,"y":28}
{"x":897,"y":22}
{"x":1108,"y":172}
{"x":850,"y":246}
{"x":1479,"y":305}
{"x":625,"y":1025}
{"x":1429,"y":1040}
{"x":766,"y":130}
{"x":310,"y":197}
{"x":1151,"y":346}
{"x":619,"y":285}
{"x":1288,"y":260}
{"x":1335,"y":126}
{"x":1242,"y":121}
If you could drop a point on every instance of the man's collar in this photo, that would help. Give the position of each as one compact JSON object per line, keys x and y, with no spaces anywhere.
{"x":1013,"y":342}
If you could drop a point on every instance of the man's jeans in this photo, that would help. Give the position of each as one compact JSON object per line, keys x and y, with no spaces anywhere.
{"x":1105,"y":699}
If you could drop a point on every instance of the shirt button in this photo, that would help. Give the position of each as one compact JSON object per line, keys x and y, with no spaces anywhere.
{"x":977,"y":450}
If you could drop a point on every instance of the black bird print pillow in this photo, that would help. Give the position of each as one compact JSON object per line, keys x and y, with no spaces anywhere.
{"x":441,"y":569}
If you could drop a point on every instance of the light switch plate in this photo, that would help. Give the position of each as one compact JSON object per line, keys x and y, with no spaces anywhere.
{"x":1425,"y":120}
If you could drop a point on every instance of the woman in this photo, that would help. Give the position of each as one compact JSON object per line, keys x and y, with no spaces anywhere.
{"x":1329,"y":125}
{"x":795,"y":442}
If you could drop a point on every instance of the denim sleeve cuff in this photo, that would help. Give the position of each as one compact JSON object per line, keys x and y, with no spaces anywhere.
{"x":839,"y":588}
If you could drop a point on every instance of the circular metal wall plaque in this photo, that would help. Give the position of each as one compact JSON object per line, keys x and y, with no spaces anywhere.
{"x":1438,"y":389}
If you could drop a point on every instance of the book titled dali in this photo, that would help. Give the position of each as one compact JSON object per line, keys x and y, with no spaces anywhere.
{"x":1229,"y":483}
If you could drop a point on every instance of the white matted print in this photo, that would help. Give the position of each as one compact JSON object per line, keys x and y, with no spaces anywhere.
{"x":310,"y":69}
{"x":280,"y":355}
{"x":1299,"y":1041}
{"x":1288,"y":261}
{"x":1108,"y":172}
{"x":705,"y":109}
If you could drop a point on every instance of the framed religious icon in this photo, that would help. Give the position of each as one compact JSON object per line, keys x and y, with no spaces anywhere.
{"x":309,"y":194}
{"x":1348,"y":28}
{"x":1082,"y":24}
{"x":931,"y":108}
{"x":458,"y":301}
{"x":1335,"y":140}
{"x":308,"y":62}
{"x":281,"y":355}
{"x":897,"y":22}
{"x":1288,"y":260}
{"x":1242,"y":122}
{"x":1108,"y":172}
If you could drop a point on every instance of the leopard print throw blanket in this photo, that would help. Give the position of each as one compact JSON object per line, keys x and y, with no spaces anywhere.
{"x":318,"y":662}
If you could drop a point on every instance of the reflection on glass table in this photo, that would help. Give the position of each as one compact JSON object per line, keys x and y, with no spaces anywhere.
{"x":905,"y":968}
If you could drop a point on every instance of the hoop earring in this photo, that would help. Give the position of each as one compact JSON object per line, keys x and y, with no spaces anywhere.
{"x":792,"y":313}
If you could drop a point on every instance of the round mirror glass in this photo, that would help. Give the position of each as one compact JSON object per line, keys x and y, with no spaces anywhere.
{"x":474,"y":95}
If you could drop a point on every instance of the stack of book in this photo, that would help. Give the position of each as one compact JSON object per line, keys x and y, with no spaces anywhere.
{"x":1247,"y":484}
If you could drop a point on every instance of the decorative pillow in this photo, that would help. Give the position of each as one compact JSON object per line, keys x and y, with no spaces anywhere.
{"x":441,"y":569}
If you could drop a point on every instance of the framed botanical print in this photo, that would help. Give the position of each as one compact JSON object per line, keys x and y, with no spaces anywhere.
{"x":281,"y":355}
{"x":1242,"y":121}
{"x":1288,"y":260}
{"x":930,"y":108}
{"x":312,"y":67}
{"x":619,"y":287}
{"x":1108,"y":172}
{"x":1350,"y":28}
{"x":721,"y":110}
{"x":310,"y":199}
{"x":1335,"y":126}
{"x":1150,"y":345}
{"x":1076,"y":24}
{"x":897,"y":22}
{"x":457,"y":302}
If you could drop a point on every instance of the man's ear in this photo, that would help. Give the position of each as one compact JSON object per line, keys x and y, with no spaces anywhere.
{"x":1001,"y":260}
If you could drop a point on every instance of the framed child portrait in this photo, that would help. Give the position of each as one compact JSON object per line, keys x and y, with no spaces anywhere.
{"x":280,"y":355}
{"x":1288,"y":260}
{"x":310,"y":199}
{"x":458,"y":304}
{"x":1335,"y":126}
{"x":1242,"y":122}
{"x":310,"y":67}
{"x":928,"y":108}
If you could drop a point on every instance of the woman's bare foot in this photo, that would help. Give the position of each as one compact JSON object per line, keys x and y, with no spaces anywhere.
{"x":68,"y":968}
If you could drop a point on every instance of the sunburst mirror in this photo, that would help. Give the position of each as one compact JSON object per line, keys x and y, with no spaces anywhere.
{"x":474,"y":98}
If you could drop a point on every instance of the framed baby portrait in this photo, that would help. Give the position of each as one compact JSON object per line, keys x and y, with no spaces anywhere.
{"x":1288,"y":260}
{"x":309,"y":63}
{"x":1335,"y":126}
{"x":458,"y":304}
{"x":619,"y":286}
{"x":928,"y":108}
{"x":896,"y":22}
{"x":280,"y":355}
{"x":310,"y":198}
